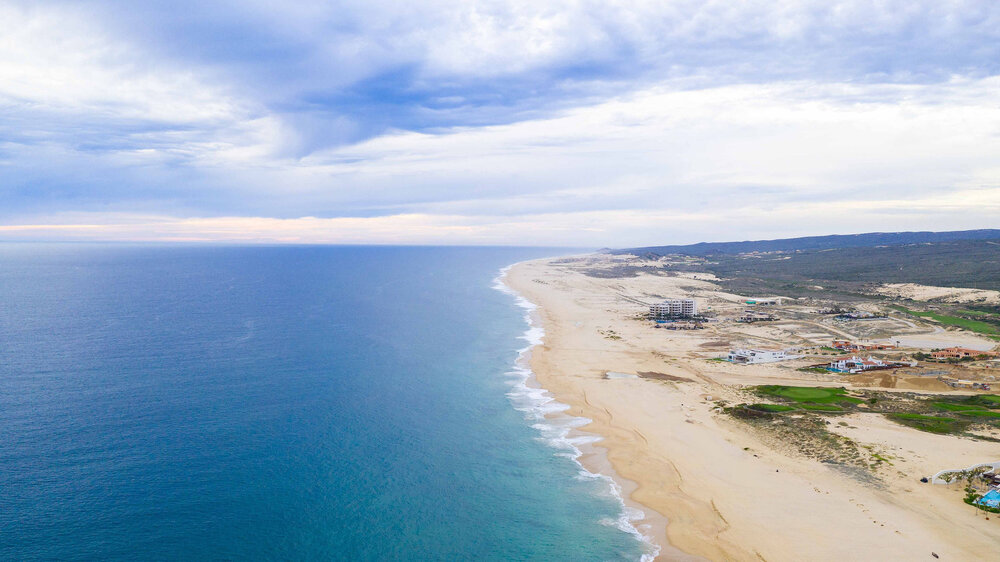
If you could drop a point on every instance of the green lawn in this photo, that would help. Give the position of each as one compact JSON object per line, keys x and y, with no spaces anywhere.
{"x":808,"y":394}
{"x":977,"y":312}
{"x":980,"y":414}
{"x":991,"y":400}
{"x":965,"y":323}
{"x":971,"y":403}
{"x":932,"y":424}
{"x":771,"y":407}
{"x":823,"y":407}
{"x":952,"y":407}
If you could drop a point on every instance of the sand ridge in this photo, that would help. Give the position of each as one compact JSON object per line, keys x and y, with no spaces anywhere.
{"x":944,"y":294}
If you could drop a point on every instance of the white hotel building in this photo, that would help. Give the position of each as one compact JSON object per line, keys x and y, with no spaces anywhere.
{"x":674,"y":307}
{"x":753,"y":356}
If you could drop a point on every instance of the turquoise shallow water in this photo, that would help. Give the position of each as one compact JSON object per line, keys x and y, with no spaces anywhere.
{"x":268,"y":403}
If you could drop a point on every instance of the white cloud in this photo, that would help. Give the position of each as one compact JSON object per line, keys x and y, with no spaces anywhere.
{"x":96,"y":118}
{"x":57,"y":60}
{"x":682,"y":149}
{"x":727,"y":162}
{"x":627,"y":227}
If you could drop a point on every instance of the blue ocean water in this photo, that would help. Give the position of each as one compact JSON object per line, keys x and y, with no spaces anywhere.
{"x":263,"y":403}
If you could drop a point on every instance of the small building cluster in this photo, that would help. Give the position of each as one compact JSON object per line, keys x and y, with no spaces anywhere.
{"x":754,"y":356}
{"x":673,"y":308}
{"x":751,"y":316}
{"x":858,"y":365}
{"x":962,"y":383}
{"x":774,"y":301}
{"x":832,"y":310}
{"x":845,"y":345}
{"x":859,"y":315}
{"x":960,"y":353}
{"x":992,"y":477}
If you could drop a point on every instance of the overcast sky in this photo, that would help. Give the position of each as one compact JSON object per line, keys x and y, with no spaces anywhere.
{"x":544,"y":123}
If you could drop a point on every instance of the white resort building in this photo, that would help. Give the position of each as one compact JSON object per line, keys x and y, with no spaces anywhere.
{"x":674,"y":307}
{"x":751,"y":356}
{"x":856,"y":365}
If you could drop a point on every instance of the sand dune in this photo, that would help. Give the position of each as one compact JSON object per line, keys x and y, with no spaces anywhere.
{"x":946,"y":294}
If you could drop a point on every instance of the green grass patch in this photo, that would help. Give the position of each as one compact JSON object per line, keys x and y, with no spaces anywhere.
{"x":822,"y":407}
{"x":980,"y":414}
{"x":932,"y":424}
{"x":990,"y":400}
{"x":953,"y":407}
{"x":880,"y":458}
{"x":808,"y":394}
{"x":977,"y":326}
{"x":977,"y":312}
{"x":771,"y":407}
{"x":970,"y":403}
{"x":812,"y":369}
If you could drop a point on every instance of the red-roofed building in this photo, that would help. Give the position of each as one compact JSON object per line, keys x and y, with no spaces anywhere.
{"x":960,"y":352}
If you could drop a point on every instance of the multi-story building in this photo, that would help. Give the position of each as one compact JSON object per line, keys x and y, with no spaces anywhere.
{"x":751,"y":356}
{"x":674,"y":307}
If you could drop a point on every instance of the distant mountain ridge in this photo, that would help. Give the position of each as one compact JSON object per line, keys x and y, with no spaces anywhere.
{"x":816,"y":242}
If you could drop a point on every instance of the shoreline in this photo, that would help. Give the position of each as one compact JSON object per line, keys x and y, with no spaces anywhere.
{"x":710,"y":486}
{"x":587,"y":451}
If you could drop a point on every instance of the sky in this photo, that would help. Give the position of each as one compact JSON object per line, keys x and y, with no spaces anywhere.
{"x":582,"y":123}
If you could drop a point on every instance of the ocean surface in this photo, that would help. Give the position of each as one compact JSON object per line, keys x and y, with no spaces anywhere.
{"x":282,"y":403}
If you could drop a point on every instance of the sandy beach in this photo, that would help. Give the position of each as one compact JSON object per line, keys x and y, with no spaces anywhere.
{"x":713,"y":487}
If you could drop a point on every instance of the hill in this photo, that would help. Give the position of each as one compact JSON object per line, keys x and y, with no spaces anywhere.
{"x":961,"y":263}
{"x":871,"y":239}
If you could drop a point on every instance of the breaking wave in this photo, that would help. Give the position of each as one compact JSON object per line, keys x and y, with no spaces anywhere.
{"x":554,"y":426}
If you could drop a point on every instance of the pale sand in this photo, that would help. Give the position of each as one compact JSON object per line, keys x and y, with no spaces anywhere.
{"x":727,"y":494}
{"x":945,"y":294}
{"x":945,"y":339}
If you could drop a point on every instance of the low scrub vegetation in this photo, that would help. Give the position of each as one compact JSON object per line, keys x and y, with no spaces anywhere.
{"x":977,"y":326}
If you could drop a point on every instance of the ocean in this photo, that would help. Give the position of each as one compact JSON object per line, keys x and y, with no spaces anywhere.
{"x":283,"y":403}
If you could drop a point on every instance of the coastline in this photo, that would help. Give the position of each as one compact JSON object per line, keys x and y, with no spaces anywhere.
{"x":562,"y":431}
{"x":710,"y":488}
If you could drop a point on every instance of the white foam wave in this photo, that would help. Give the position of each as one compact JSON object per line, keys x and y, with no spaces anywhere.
{"x":554,"y":426}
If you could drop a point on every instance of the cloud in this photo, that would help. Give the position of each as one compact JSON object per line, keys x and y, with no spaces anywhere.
{"x":580,"y":229}
{"x":55,"y":63}
{"x":684,"y":149}
{"x":496,"y":113}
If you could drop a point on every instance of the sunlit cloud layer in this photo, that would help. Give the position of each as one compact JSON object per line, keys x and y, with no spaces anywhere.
{"x":579,"y":123}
